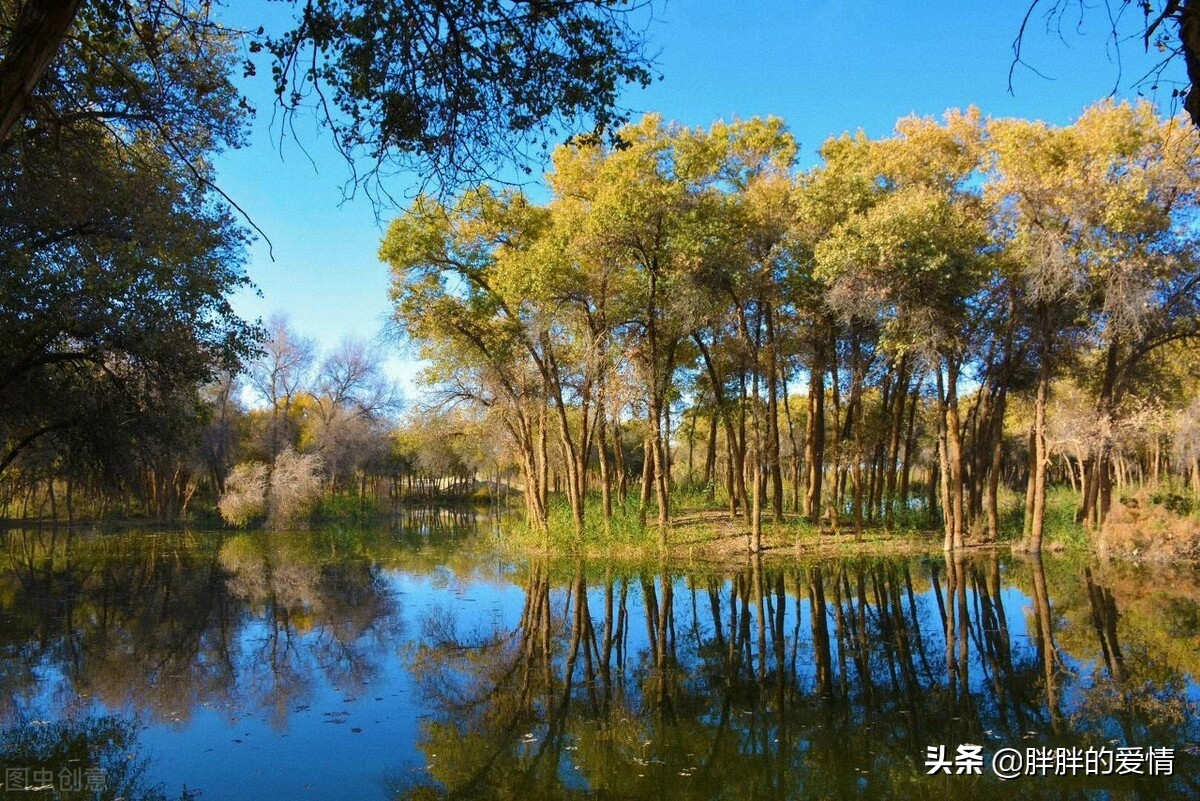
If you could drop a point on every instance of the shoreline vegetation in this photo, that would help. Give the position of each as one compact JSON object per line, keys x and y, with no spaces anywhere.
{"x":708,"y":535}
{"x":699,"y":534}
{"x":973,"y":330}
{"x":968,"y":310}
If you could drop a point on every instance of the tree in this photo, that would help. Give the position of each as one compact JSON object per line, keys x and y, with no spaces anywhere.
{"x":1102,"y":214}
{"x":117,"y":260}
{"x":910,"y":265}
{"x":353,"y":401}
{"x":1153,"y":28}
{"x":450,"y":88}
{"x":279,"y":375}
{"x":445,"y":263}
{"x":114,"y":298}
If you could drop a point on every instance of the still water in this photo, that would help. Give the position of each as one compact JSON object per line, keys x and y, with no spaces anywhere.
{"x":408,"y":663}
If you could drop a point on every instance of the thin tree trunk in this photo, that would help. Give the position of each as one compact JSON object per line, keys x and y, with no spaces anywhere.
{"x":910,"y":441}
{"x":773,"y":459}
{"x":943,"y":448}
{"x":1041,"y":457}
{"x":795,"y":452}
{"x":955,"y":453}
{"x":897,"y":431}
{"x":710,"y":458}
{"x":814,"y":441}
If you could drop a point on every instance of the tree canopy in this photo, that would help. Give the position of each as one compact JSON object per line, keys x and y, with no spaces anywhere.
{"x":453,"y":90}
{"x":918,"y":281}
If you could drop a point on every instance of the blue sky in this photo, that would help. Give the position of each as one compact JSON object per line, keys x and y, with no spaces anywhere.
{"x":825,"y":66}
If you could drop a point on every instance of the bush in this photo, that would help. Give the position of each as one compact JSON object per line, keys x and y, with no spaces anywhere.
{"x":287,"y":497}
{"x":1139,"y":528}
{"x":295,"y":488}
{"x":245,"y":497}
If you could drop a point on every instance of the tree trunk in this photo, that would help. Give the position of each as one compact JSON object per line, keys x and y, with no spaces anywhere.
{"x":795,"y":448}
{"x":910,"y":441}
{"x":955,"y":453}
{"x":647,"y":473}
{"x":1041,"y":458}
{"x":710,"y":458}
{"x":835,"y":502}
{"x":602,"y":455}
{"x":893,"y":456}
{"x":992,"y":499}
{"x":1098,"y":497}
{"x":854,"y":416}
{"x":943,"y":448}
{"x":773,"y":416}
{"x":814,"y":441}
{"x":33,"y":44}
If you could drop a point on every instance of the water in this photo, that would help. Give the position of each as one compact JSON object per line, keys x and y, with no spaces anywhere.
{"x":409,"y":663}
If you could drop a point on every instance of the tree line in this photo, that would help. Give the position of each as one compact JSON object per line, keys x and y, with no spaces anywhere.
{"x":913,"y":310}
{"x":119,"y":250}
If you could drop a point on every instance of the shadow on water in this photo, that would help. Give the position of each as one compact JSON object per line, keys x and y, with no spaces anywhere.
{"x":826,"y":679}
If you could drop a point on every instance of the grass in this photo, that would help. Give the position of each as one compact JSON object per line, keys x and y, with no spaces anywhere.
{"x":1060,"y":529}
{"x":700,"y":530}
{"x":625,"y":532}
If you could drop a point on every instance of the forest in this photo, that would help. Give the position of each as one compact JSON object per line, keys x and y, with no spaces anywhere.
{"x":966,"y":310}
{"x":972,"y":326}
{"x":480,"y":436}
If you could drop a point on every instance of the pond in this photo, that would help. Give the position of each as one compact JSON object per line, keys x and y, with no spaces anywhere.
{"x":409,"y":662}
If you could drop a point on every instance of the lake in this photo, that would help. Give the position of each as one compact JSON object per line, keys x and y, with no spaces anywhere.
{"x":411,"y":662}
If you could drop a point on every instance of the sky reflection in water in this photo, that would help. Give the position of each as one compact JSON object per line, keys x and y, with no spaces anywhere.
{"x":406,"y":663}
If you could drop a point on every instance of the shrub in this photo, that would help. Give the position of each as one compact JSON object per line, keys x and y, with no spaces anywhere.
{"x":295,"y":488}
{"x":1139,"y":528}
{"x":245,"y":497}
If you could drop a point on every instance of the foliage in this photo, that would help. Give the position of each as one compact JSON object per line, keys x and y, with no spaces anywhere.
{"x":245,"y":496}
{"x":454,"y":89}
{"x":927,"y":282}
{"x":294,"y":489}
{"x":114,"y":302}
{"x":117,"y":258}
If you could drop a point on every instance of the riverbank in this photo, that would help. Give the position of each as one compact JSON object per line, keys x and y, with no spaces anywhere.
{"x":709,"y":536}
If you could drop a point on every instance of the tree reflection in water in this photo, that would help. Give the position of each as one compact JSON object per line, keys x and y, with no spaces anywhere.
{"x":166,"y":624}
{"x":776,"y":680}
{"x":94,"y":758}
{"x":827,"y":680}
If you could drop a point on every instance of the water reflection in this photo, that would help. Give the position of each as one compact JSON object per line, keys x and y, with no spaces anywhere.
{"x":95,"y":758}
{"x":166,"y":624}
{"x":824,"y":680}
{"x":463,"y":676}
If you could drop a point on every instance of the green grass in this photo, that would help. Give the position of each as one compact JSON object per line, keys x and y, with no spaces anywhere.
{"x":1060,"y":526}
{"x":623,"y":533}
{"x":346,"y":508}
{"x":626,"y":535}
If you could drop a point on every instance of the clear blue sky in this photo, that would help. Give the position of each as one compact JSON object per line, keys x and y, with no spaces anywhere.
{"x":825,"y":66}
